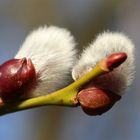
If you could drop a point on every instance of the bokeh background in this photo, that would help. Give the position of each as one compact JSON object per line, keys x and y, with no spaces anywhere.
{"x":85,"y":19}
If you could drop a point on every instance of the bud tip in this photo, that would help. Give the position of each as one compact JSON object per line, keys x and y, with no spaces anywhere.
{"x":115,"y":60}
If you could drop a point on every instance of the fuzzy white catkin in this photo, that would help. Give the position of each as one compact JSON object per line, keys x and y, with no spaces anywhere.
{"x":106,"y":44}
{"x":52,"y":51}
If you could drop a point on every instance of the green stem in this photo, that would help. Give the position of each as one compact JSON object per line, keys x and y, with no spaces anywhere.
{"x":65,"y":97}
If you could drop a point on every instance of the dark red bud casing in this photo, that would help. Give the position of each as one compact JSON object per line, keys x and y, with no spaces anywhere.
{"x":115,"y":60}
{"x":95,"y":101}
{"x":15,"y":77}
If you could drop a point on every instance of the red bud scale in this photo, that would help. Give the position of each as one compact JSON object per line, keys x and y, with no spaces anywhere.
{"x":115,"y":60}
{"x":95,"y":101}
{"x":15,"y":77}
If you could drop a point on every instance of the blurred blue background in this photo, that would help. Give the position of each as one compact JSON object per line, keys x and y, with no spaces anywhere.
{"x":84,"y":18}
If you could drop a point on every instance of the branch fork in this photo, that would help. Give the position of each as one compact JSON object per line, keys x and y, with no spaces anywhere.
{"x":68,"y":96}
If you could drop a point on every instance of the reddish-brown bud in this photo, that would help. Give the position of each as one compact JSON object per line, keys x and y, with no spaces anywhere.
{"x":115,"y":60}
{"x":95,"y":101}
{"x":15,"y":77}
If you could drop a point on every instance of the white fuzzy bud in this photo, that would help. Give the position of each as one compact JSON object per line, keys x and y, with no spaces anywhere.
{"x":52,"y":51}
{"x":106,"y":44}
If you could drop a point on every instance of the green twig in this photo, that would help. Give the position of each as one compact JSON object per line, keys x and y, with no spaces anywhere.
{"x":64,"y":97}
